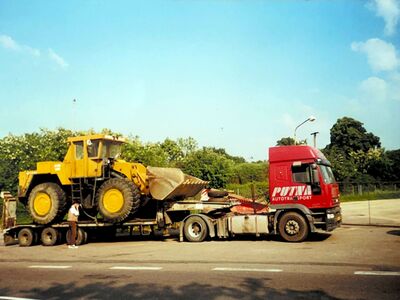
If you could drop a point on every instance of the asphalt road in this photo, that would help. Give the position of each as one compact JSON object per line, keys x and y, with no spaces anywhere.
{"x":351,"y":263}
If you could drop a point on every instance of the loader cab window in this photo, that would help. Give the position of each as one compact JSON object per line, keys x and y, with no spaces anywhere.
{"x":111,"y":150}
{"x":93,"y":148}
{"x":78,"y":150}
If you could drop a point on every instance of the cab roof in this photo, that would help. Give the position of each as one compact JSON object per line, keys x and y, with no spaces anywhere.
{"x":96,"y":137}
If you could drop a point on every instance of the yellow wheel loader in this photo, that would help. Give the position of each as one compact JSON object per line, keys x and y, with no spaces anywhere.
{"x":93,"y":175}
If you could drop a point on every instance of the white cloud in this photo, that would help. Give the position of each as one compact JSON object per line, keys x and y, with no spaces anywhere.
{"x":389,"y":10}
{"x":58,"y":59}
{"x":374,"y":88}
{"x":9,"y":43}
{"x":381,"y":55}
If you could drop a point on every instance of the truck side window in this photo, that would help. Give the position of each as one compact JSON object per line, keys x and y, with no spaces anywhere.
{"x":78,"y":150}
{"x":301,"y":173}
{"x":93,"y":149}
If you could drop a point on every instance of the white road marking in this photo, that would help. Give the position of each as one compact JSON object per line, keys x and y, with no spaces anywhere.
{"x":377,"y":273}
{"x":137,"y":268}
{"x":14,"y":298}
{"x":49,"y":267}
{"x":247,"y":270}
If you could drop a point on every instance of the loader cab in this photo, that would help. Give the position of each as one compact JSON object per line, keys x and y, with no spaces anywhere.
{"x":87,"y":154}
{"x":301,"y":175}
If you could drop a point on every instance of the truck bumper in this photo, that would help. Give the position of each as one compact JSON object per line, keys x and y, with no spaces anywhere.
{"x":333,"y":218}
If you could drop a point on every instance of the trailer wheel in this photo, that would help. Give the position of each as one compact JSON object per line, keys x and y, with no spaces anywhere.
{"x":8,"y":240}
{"x":293,"y":227}
{"x":27,"y":237}
{"x":50,"y":236}
{"x":47,"y":203}
{"x":117,"y":199}
{"x":81,"y":236}
{"x":195,"y":229}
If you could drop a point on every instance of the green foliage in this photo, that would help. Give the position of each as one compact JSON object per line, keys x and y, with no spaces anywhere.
{"x":377,"y":195}
{"x":250,"y":172}
{"x":209,"y":165}
{"x":288,"y":141}
{"x":260,"y":189}
{"x":355,"y":154}
{"x":349,"y":135}
{"x":150,"y":154}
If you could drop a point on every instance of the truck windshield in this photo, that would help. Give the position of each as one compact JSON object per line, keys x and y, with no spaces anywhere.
{"x":327,"y":174}
{"x":111,"y":150}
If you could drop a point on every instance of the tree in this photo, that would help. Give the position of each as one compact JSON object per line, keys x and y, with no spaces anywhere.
{"x":249,"y":172}
{"x":288,"y":141}
{"x":349,"y":135}
{"x":210,"y":166}
{"x":353,"y":151}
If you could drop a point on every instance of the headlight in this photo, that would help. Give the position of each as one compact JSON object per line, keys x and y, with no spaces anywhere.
{"x":330,"y":216}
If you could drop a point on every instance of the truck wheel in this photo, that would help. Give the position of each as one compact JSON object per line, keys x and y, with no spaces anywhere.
{"x":195,"y":229}
{"x":117,"y":198}
{"x":293,"y":227}
{"x":27,"y":237}
{"x":81,"y":236}
{"x":47,"y":203}
{"x":50,"y":236}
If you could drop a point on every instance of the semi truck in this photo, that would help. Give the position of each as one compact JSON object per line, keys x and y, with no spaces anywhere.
{"x":303,"y":197}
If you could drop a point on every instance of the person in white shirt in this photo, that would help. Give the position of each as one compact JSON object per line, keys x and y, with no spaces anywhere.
{"x":73,"y":215}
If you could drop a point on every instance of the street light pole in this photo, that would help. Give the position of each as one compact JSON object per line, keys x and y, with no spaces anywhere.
{"x":314,"y":134}
{"x":310,"y":119}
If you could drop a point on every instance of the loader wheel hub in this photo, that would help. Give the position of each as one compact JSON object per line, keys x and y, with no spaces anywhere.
{"x":42,"y":204}
{"x":113,"y":200}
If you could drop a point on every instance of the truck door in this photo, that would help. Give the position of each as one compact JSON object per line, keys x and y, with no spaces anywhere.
{"x":307,"y":174}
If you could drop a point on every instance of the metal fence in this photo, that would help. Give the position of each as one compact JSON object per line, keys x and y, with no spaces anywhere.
{"x":360,"y":188}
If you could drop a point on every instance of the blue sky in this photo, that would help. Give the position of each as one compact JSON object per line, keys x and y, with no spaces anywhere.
{"x":233,"y":74}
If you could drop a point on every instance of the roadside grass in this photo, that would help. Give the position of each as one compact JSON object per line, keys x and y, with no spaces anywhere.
{"x":376,"y":195}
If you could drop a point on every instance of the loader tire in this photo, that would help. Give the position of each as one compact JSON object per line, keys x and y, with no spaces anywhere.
{"x":47,"y":203}
{"x":117,"y":198}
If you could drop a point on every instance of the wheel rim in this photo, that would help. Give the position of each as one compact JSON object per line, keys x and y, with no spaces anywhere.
{"x":49,"y":237}
{"x":292,"y":227}
{"x":195,"y":229}
{"x":113,"y":200}
{"x":42,"y":204}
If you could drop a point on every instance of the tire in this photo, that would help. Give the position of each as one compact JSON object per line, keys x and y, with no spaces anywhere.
{"x":27,"y":237}
{"x":47,"y":203}
{"x":81,"y":237}
{"x":116,"y":199}
{"x":213,"y":193}
{"x":50,"y":236}
{"x":293,"y":227}
{"x":195,"y":229}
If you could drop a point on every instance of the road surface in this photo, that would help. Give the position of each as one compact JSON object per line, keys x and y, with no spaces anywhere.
{"x":351,"y":263}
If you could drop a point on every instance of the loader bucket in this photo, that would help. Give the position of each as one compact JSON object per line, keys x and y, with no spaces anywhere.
{"x":172,"y":183}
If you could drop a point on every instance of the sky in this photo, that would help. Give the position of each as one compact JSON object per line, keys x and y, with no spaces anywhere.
{"x":232,"y":74}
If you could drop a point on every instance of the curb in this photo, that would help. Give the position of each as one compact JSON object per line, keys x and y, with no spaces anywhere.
{"x":372,"y":225}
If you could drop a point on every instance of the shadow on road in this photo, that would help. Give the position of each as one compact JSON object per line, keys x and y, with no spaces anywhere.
{"x":394,"y":232}
{"x":249,"y":288}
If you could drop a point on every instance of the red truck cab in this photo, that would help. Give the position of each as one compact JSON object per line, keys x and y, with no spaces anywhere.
{"x":302,"y":183}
